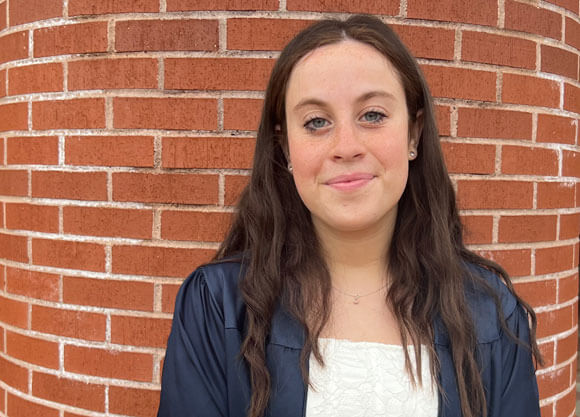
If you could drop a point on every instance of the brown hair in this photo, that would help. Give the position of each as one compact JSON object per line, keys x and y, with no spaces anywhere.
{"x":426,"y":257}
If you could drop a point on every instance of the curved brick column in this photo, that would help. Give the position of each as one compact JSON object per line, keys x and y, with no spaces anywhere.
{"x":127,"y":130}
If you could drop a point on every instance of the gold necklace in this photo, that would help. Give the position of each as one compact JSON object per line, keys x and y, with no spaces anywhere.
{"x":357,"y":297}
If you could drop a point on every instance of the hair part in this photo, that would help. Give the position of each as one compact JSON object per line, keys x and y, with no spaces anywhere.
{"x":426,"y":256}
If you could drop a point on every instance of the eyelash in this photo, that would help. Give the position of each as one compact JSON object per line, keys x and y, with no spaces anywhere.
{"x":310,"y":129}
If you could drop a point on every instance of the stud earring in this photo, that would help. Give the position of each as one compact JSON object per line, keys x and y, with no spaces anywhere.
{"x":412,"y":155}
{"x":290,"y":169}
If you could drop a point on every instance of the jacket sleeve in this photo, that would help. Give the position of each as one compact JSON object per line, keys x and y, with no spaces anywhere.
{"x":194,"y":376}
{"x":519,"y":397}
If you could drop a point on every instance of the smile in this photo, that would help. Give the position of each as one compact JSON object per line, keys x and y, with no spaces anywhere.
{"x":350,"y":181}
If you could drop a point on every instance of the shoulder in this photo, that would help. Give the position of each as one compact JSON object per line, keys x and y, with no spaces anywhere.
{"x":488,"y":299}
{"x":217,"y":284}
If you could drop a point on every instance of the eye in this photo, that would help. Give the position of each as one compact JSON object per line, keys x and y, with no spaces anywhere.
{"x":315,"y":124}
{"x":373,"y":116}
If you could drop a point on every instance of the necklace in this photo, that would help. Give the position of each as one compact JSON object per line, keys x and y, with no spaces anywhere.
{"x":356,"y":297}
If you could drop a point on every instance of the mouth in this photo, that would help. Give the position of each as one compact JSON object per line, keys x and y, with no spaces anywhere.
{"x":350,"y":181}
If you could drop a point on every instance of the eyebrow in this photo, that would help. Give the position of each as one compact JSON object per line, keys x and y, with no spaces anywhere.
{"x":364,"y":97}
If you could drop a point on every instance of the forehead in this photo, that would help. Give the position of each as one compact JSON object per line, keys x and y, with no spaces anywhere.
{"x":345,"y":66}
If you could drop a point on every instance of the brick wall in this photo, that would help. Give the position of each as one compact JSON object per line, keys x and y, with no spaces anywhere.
{"x":127,"y":130}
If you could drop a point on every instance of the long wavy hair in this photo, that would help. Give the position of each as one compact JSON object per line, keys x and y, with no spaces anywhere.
{"x":426,"y":257}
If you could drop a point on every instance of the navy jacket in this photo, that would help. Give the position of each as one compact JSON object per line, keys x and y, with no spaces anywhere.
{"x":204,"y":377}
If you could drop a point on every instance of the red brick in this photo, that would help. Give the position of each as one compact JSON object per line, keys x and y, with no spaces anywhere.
{"x":566,"y":405}
{"x":165,"y":113}
{"x":529,"y":161}
{"x":500,"y":50}
{"x":2,"y":26}
{"x":68,"y":254}
{"x":196,"y":226}
{"x":14,"y":117}
{"x":140,"y":331}
{"x":546,"y":410}
{"x":79,"y":38}
{"x":567,"y":4}
{"x":443,"y":116}
{"x":570,"y":164}
{"x":68,"y":391}
{"x":37,"y":150}
{"x":82,"y":113}
{"x":14,"y":313}
{"x":235,"y":73}
{"x":89,"y":7}
{"x":3,"y":77}
{"x":559,"y":61}
{"x":108,"y":363}
{"x":537,"y":293}
{"x":127,"y":295}
{"x":571,"y":98}
{"x":554,"y":259}
{"x":165,"y":188}
{"x":460,"y":83}
{"x":517,"y":262}
{"x":70,"y":185}
{"x":262,"y":34}
{"x":134,"y":151}
{"x":527,"y":228}
{"x":234,"y":186}
{"x":547,"y":350}
{"x":19,"y":407}
{"x":69,"y":323}
{"x":387,"y":7}
{"x":158,"y":261}
{"x":208,"y":152}
{"x":482,"y":194}
{"x":569,"y":226}
{"x":13,"y":375}
{"x":13,"y":47}
{"x":168,"y":295}
{"x":97,"y":221}
{"x":242,"y":113}
{"x":477,"y":229}
{"x":32,"y":217}
{"x":13,"y":182}
{"x":568,"y":288}
{"x":13,"y":247}
{"x":556,"y":129}
{"x":101,"y":74}
{"x":166,"y":35}
{"x":32,"y":350}
{"x":554,"y":321}
{"x":555,"y":194}
{"x":35,"y":79}
{"x":469,"y":158}
{"x":26,"y":11}
{"x":251,"y":5}
{"x":133,"y":401}
{"x":32,"y":284}
{"x":567,"y":347}
{"x":554,"y":382}
{"x":479,"y":12}
{"x":572,"y":34}
{"x":427,"y":42}
{"x":533,"y":91}
{"x":489,"y":123}
{"x":532,"y":19}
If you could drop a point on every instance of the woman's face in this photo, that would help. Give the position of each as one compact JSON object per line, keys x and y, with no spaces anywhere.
{"x":348,"y":137}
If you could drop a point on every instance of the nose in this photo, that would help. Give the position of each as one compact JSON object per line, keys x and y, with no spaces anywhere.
{"x":347,"y":143}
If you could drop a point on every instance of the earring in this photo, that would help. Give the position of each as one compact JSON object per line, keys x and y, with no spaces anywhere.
{"x":412,"y":155}
{"x":290,"y":169}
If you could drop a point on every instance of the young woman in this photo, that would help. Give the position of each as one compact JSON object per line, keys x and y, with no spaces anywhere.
{"x":343,"y":287}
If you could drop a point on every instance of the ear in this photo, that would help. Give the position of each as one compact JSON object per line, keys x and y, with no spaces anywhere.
{"x":415,"y":132}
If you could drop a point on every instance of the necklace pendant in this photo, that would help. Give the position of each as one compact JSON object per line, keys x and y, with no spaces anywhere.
{"x":356,"y":299}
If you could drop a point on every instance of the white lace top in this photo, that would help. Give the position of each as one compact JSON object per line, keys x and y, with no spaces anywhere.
{"x":364,"y":379}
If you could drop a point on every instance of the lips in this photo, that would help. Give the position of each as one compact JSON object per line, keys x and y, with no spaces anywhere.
{"x":350,"y":181}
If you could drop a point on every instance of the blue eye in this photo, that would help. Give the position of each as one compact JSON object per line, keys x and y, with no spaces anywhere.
{"x":315,"y":123}
{"x":373,"y":116}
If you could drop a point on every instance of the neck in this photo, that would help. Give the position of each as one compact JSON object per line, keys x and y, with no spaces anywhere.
{"x":356,"y":260}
